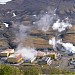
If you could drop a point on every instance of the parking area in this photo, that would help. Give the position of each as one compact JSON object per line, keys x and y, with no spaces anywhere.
{"x":64,"y":63}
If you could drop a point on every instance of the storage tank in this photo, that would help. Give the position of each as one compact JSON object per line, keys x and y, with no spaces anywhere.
{"x":14,"y":58}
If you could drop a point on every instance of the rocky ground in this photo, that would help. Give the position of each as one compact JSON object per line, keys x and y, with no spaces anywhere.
{"x":22,"y":7}
{"x":24,"y":10}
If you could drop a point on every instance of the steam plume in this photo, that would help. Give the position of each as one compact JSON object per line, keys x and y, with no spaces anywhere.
{"x":24,"y":48}
{"x":54,"y":42}
{"x":27,"y":53}
{"x":46,"y":20}
{"x":69,"y":47}
{"x":61,"y":26}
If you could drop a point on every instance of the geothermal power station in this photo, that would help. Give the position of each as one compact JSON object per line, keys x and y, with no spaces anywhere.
{"x":38,"y":32}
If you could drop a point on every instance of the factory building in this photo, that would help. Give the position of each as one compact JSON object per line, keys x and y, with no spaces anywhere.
{"x":53,"y":55}
{"x":40,"y":54}
{"x":6,"y":52}
{"x":14,"y":58}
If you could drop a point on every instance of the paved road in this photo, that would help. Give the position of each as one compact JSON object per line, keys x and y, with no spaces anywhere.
{"x":63,"y":62}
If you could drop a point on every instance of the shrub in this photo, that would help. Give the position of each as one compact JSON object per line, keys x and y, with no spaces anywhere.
{"x":9,"y":70}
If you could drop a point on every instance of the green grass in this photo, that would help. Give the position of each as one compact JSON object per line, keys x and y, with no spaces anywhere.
{"x":32,"y":70}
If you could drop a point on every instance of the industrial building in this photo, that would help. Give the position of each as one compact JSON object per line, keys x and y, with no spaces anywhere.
{"x":6,"y":52}
{"x":53,"y":55}
{"x":40,"y":54}
{"x":14,"y":58}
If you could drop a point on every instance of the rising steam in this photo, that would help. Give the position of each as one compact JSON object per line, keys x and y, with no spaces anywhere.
{"x":61,"y":25}
{"x":46,"y":20}
{"x":24,"y":48}
{"x":27,"y":53}
{"x":54,"y":42}
{"x":67,"y":46}
{"x":23,"y":32}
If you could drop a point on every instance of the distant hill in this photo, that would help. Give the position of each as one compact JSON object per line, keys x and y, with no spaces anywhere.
{"x":27,"y":6}
{"x":38,"y":4}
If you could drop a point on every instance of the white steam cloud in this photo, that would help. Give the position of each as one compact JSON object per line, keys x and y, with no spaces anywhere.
{"x":46,"y":20}
{"x":61,"y":26}
{"x":23,"y":48}
{"x":54,"y":42}
{"x":69,"y":47}
{"x":27,"y":53}
{"x":21,"y":32}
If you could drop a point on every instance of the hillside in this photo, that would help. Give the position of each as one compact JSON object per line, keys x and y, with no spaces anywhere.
{"x":21,"y":7}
